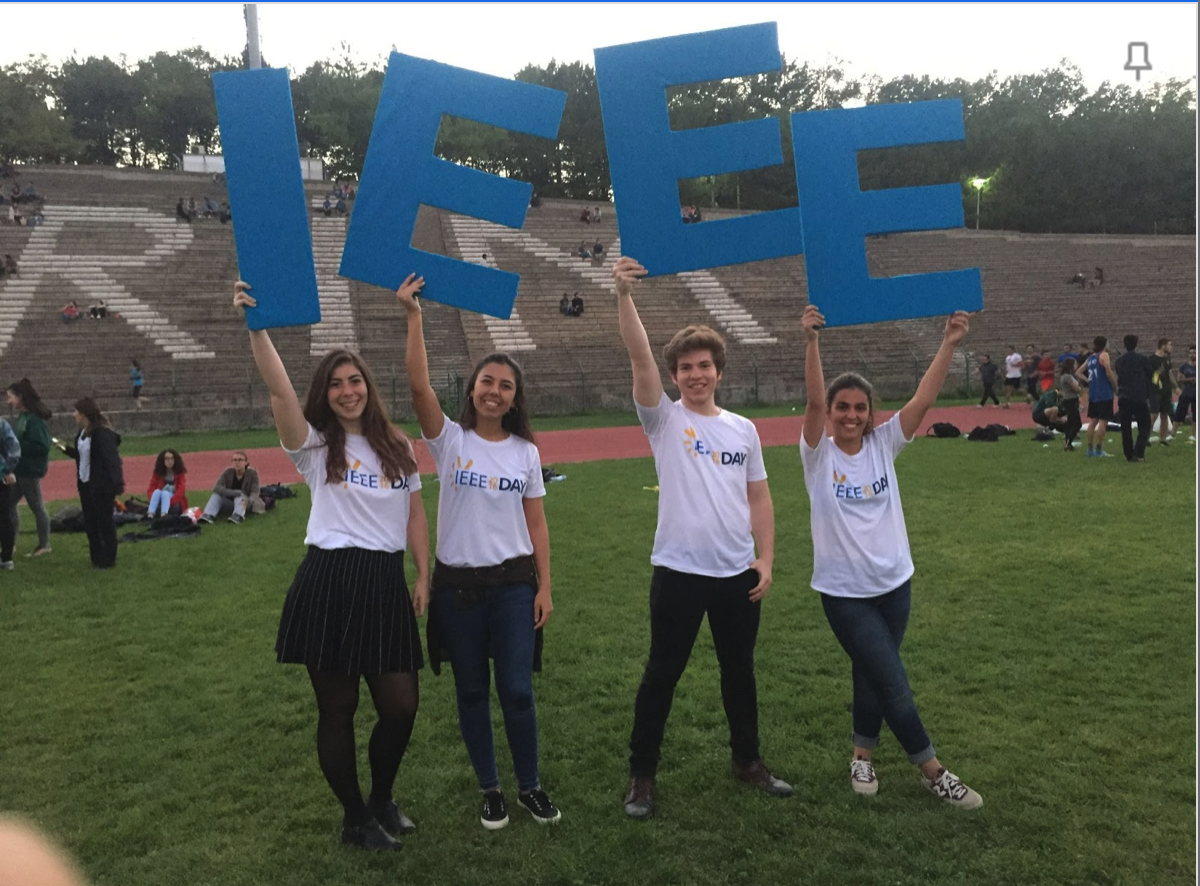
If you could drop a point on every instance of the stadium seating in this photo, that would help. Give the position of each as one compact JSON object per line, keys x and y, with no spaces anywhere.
{"x":112,"y":234}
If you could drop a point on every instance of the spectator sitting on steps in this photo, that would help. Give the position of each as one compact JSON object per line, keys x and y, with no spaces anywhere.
{"x":98,"y":311}
{"x":210,"y":207}
{"x":585,"y":216}
{"x":577,"y":306}
{"x":341,"y":206}
{"x":1078,"y":280}
{"x":583,"y":252}
{"x":598,"y":251}
{"x":564,"y":305}
{"x":327,"y":207}
{"x":1098,"y":279}
{"x":10,"y":265}
{"x":71,"y":312}
{"x":181,"y":212}
{"x":236,"y":492}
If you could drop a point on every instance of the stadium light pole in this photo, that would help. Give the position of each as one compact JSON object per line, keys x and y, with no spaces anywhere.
{"x":977,"y":184}
{"x":254,"y":57}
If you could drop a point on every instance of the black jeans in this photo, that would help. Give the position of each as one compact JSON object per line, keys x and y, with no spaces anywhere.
{"x":8,"y":529}
{"x":989,"y":391}
{"x":678,"y":603}
{"x":1139,"y":411}
{"x":97,"y":507}
{"x":1070,"y":408}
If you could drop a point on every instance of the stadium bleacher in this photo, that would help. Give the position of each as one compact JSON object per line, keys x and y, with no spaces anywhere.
{"x":112,"y":234}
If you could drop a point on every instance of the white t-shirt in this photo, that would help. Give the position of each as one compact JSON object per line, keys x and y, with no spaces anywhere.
{"x":364,"y":510}
{"x":481,"y":514}
{"x":860,"y":544}
{"x":84,"y":447}
{"x":1012,"y":365}
{"x":703,"y":464}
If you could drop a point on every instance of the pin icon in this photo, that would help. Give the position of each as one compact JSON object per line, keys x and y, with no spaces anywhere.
{"x":1138,"y":59}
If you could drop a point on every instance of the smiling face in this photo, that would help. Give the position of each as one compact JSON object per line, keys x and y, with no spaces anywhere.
{"x":851,"y":416}
{"x":696,"y":375}
{"x":347,"y":393}
{"x":494,"y":390}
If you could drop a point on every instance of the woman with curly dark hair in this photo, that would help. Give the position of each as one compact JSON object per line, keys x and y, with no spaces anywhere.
{"x":348,"y":616}
{"x":34,"y":436}
{"x":168,"y":485}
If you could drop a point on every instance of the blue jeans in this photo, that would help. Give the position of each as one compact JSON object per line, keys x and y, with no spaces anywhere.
{"x":160,"y":502}
{"x":871,"y":630}
{"x":500,"y":624}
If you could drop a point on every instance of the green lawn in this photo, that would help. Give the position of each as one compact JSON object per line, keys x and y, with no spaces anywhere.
{"x":145,"y":724}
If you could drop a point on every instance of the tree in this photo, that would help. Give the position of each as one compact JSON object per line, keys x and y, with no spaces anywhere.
{"x":31,"y":131}
{"x":101,"y":100}
{"x":335,"y":103}
{"x":177,"y":108}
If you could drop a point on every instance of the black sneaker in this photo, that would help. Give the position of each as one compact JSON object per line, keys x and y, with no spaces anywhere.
{"x":493,"y":815}
{"x":539,"y":806}
{"x":391,"y":819}
{"x":369,"y":836}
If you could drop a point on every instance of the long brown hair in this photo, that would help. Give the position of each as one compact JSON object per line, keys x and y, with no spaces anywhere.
{"x":389,"y":443}
{"x":516,"y":420}
{"x":853,"y":381}
{"x":30,"y":401}
{"x":87,"y":407}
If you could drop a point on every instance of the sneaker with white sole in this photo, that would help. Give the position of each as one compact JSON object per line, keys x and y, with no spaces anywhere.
{"x":948,"y":787}
{"x":539,"y":806}
{"x":862,"y":777}
{"x":493,"y":814}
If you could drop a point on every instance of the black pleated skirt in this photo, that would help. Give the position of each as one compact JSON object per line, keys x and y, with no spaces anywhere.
{"x":348,"y":611}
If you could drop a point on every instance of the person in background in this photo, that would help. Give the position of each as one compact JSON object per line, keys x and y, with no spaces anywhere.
{"x":1012,"y":374}
{"x":988,"y":373}
{"x":137,"y":379}
{"x":1069,"y":390}
{"x":168,"y":485}
{"x":34,"y":436}
{"x":1133,"y":393}
{"x":10,"y":454}
{"x":1187,"y":389}
{"x":1162,"y":391}
{"x":100,"y":478}
{"x":1101,"y":380}
{"x":235,"y":492}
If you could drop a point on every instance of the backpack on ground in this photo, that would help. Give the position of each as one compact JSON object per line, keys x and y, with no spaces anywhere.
{"x":943,"y":429}
{"x":276,"y":491}
{"x":1002,"y":430}
{"x":981,"y":434}
{"x":1043,"y":435}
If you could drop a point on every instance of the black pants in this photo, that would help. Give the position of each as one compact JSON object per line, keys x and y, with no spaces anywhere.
{"x":1186,"y":404}
{"x":1070,"y":408}
{"x":1134,"y":410}
{"x":8,"y":529}
{"x":97,"y":507}
{"x":678,"y":603}
{"x":989,"y":391}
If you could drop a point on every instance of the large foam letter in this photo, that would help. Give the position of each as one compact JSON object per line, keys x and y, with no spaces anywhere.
{"x":401,"y":172}
{"x":838,"y":215}
{"x":647,"y":159}
{"x":266,"y":196}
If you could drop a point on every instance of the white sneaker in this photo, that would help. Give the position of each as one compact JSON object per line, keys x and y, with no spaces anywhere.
{"x":949,"y":788}
{"x":7,"y":564}
{"x":862,"y":777}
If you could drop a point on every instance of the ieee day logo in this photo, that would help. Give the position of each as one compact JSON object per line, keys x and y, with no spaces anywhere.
{"x":841,"y":490}
{"x":464,"y":477}
{"x":353,"y":477}
{"x":696,"y":447}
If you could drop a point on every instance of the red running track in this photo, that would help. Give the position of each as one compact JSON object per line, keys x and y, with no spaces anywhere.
{"x":556,"y":448}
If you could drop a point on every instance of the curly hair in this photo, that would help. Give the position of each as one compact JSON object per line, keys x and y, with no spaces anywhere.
{"x":160,"y":464}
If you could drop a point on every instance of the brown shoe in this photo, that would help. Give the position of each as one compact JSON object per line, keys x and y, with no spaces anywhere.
{"x":757,"y":775}
{"x":639,"y":802}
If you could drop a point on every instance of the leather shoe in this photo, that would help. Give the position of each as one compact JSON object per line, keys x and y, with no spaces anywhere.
{"x":390,"y":818}
{"x":369,"y":836}
{"x":756,"y":774}
{"x":639,"y":802}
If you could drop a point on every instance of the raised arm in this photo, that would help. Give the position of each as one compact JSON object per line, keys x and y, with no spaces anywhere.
{"x":647,"y":383}
{"x":416,"y":363}
{"x":814,"y":377}
{"x":914,"y":410}
{"x":285,"y":405}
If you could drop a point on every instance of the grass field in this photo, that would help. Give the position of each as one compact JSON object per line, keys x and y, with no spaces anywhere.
{"x":146,"y":726}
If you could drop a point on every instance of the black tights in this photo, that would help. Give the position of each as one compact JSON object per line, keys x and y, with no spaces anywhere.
{"x":395,"y":696}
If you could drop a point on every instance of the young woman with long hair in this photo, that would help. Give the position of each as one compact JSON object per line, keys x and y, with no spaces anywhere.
{"x":862,"y":565}
{"x":168,"y":485}
{"x":100,"y":478}
{"x":491,"y":579}
{"x":34,"y":436}
{"x":348,"y":616}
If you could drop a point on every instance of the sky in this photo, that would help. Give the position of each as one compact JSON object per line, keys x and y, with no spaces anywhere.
{"x":946,"y":40}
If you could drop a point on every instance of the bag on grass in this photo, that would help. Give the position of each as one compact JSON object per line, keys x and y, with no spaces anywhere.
{"x":943,"y":429}
{"x":68,"y":519}
{"x":276,"y":491}
{"x":1002,"y":430}
{"x":1043,"y":435}
{"x":981,"y":434}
